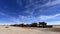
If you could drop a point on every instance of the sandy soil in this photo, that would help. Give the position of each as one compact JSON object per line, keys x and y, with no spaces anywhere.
{"x":21,"y":30}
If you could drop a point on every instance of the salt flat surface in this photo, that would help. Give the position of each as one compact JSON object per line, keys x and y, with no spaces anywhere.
{"x":20,"y":30}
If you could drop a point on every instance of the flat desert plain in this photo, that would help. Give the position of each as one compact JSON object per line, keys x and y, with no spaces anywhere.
{"x":27,"y":30}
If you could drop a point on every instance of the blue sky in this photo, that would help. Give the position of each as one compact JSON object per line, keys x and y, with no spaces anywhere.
{"x":28,"y":11}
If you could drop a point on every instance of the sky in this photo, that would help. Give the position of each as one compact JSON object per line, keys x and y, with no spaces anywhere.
{"x":29,"y":11}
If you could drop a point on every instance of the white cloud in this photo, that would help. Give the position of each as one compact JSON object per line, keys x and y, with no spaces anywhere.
{"x":48,"y":4}
{"x":30,"y":12}
{"x":36,"y":5}
{"x":54,"y":23}
{"x":35,"y":19}
{"x":49,"y":17}
{"x":31,"y":18}
{"x":26,"y":17}
{"x":53,"y":3}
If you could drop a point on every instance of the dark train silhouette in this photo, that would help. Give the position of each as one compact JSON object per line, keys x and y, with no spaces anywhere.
{"x":40,"y":24}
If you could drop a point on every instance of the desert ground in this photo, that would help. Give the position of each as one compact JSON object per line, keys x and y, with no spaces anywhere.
{"x":28,"y":30}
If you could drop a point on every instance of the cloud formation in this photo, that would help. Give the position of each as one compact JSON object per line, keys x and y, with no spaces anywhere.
{"x":32,"y":6}
{"x":49,"y":17}
{"x":32,"y":11}
{"x":29,"y":19}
